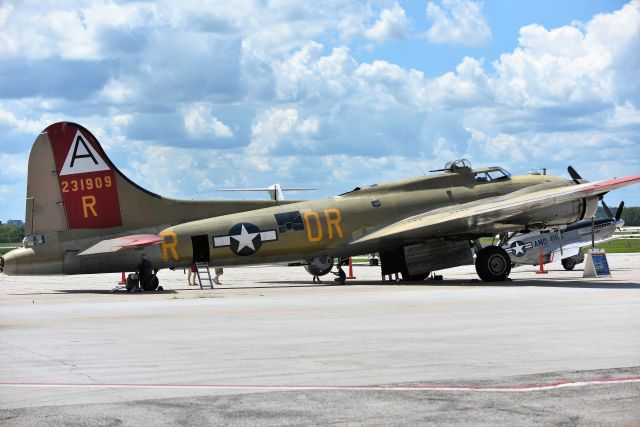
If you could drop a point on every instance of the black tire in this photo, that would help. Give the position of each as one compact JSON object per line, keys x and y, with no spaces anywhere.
{"x":493,"y":264}
{"x":151,"y":284}
{"x":415,"y":278}
{"x":568,"y":264}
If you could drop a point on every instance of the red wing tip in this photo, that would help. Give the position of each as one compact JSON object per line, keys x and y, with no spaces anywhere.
{"x":139,"y":240}
{"x":614,"y":181}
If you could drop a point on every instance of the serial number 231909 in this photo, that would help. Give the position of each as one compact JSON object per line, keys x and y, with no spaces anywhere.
{"x":86,"y":184}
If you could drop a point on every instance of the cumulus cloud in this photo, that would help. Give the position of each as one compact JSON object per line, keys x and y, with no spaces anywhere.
{"x":201,"y":123}
{"x":458,"y":22}
{"x":569,"y":66}
{"x":9,"y":120}
{"x":392,"y":24}
{"x":281,"y":130}
{"x":272,"y":91}
{"x":86,"y":31}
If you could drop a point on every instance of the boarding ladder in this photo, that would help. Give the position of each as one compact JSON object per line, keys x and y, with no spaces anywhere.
{"x":201,"y":269}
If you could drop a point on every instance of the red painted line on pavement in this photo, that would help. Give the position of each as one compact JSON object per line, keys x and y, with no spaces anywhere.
{"x":530,"y":387}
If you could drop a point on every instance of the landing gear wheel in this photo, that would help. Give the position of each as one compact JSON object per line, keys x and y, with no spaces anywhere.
{"x":568,"y":264}
{"x":151,"y":284}
{"x":493,"y":264}
{"x":415,"y":278}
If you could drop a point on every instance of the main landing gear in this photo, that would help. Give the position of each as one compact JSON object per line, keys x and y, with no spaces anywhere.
{"x":493,"y":264}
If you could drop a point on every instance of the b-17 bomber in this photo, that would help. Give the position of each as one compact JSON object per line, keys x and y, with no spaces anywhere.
{"x":84,"y":216}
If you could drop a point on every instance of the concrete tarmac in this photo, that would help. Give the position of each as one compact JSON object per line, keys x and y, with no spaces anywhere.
{"x":268,"y":347}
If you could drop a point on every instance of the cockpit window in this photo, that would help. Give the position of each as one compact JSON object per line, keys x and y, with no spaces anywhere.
{"x":497,"y":174}
{"x":482,"y":177}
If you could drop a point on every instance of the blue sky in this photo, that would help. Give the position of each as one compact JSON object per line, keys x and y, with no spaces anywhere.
{"x":192,"y":97}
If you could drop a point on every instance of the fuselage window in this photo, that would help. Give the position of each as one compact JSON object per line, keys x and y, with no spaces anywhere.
{"x":32,"y":240}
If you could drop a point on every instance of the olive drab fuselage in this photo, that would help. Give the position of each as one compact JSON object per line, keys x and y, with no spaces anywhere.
{"x":308,"y":229}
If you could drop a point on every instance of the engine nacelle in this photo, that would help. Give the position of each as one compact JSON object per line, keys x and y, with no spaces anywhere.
{"x":319,"y":266}
{"x":563,"y":213}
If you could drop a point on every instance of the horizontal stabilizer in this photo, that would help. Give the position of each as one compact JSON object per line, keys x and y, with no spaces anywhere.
{"x":275,"y":190}
{"x":118,"y":243}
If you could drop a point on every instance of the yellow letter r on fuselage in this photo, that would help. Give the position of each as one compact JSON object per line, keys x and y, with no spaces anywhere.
{"x":169,"y":246}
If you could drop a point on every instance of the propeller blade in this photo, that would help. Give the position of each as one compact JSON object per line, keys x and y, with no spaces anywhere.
{"x":574,"y":175}
{"x":619,"y":211}
{"x":607,"y":210}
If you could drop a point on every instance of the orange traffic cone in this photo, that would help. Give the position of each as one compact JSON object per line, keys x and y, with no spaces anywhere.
{"x":542,"y":270}
{"x":350,"y":276}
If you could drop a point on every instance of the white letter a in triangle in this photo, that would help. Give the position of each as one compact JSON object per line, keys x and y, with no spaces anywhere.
{"x":82,"y":158}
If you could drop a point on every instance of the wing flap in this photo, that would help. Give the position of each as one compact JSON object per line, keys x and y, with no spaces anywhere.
{"x":119,"y":243}
{"x":494,"y":212}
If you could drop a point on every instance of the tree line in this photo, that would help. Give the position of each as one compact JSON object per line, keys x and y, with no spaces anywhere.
{"x":10,"y":234}
{"x":631,"y":216}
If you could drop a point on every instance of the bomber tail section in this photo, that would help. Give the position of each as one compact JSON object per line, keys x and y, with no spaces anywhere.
{"x":73,"y":186}
{"x":77,"y":197}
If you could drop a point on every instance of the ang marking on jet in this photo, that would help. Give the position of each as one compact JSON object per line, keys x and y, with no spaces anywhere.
{"x":565,"y":242}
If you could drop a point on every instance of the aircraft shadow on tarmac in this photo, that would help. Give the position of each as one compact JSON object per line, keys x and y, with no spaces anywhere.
{"x":546,"y":283}
{"x":566,"y":283}
{"x":291,"y":284}
{"x":95,"y":292}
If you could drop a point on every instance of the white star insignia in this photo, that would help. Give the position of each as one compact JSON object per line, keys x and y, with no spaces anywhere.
{"x":518,"y":249}
{"x":245,"y":239}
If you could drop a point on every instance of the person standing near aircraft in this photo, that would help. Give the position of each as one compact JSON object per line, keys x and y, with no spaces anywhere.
{"x":192,"y":273}
{"x":218,"y":272}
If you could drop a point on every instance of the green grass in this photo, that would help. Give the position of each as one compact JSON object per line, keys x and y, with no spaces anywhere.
{"x":618,"y":246}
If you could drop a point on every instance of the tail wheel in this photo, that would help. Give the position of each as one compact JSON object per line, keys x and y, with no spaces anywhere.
{"x":568,"y":264}
{"x":493,"y":264}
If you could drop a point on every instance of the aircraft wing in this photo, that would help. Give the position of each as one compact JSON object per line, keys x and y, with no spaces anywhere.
{"x":118,"y":243}
{"x":488,"y":215}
